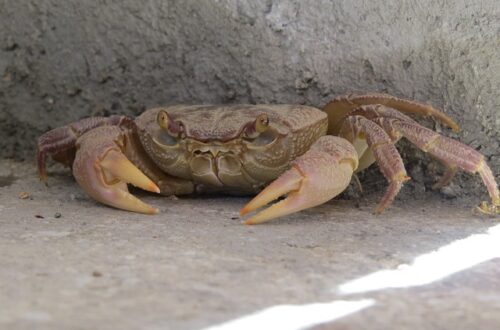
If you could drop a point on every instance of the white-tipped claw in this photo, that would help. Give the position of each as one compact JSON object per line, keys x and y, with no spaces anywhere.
{"x":288,"y":183}
{"x":314,"y":178}
{"x":103,"y":173}
{"x":116,"y":165}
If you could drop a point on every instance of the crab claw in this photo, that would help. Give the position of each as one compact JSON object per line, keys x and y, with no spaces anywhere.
{"x":116,"y":166}
{"x":288,"y":183}
{"x":103,"y":172}
{"x":314,"y":178}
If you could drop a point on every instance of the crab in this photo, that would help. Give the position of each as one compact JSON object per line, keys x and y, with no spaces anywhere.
{"x":298,"y":152}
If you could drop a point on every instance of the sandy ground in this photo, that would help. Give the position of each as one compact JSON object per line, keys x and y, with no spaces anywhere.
{"x":70,"y":263}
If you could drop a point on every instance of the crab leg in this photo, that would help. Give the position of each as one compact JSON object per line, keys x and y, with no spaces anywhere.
{"x":384,"y":152}
{"x":103,"y":172}
{"x":60,"y":142}
{"x":453,"y":154}
{"x":447,"y":176}
{"x":320,"y":174}
{"x":339,"y":107}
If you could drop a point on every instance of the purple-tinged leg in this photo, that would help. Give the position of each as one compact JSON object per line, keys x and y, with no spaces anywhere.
{"x":60,"y":142}
{"x":385,"y":153}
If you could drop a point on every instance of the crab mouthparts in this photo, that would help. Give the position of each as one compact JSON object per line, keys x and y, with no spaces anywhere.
{"x":218,"y":165}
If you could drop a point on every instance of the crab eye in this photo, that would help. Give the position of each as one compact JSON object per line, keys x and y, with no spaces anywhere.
{"x":259,"y":133}
{"x":168,"y":124}
{"x":261,"y":123}
{"x":170,"y":131}
{"x":257,"y":127}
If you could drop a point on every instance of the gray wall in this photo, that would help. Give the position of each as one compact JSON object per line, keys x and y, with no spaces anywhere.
{"x":61,"y":60}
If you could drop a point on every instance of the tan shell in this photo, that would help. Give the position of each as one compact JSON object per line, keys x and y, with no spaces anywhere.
{"x":233,"y":162}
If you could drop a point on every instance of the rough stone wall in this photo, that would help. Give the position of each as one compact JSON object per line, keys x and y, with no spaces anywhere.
{"x":64,"y":60}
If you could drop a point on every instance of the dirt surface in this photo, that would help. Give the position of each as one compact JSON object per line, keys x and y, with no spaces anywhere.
{"x":70,"y":263}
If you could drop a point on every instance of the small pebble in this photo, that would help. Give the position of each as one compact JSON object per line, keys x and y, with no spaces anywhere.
{"x":96,"y":273}
{"x":449,"y":191}
{"x":23,"y":195}
{"x":57,"y":215}
{"x":38,"y":216}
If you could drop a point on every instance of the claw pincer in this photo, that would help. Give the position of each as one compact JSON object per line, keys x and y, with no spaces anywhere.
{"x":102,"y":170}
{"x":320,"y":174}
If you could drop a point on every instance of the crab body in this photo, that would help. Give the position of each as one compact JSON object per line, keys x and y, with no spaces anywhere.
{"x":218,"y":147}
{"x":299,"y":151}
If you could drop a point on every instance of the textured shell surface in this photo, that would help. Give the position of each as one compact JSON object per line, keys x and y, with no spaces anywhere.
{"x":220,"y":146}
{"x":225,"y":122}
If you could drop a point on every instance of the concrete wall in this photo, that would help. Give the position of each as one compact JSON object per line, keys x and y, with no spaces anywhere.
{"x":61,"y":60}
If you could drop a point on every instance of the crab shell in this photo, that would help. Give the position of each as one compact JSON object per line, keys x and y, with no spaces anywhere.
{"x":218,"y":146}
